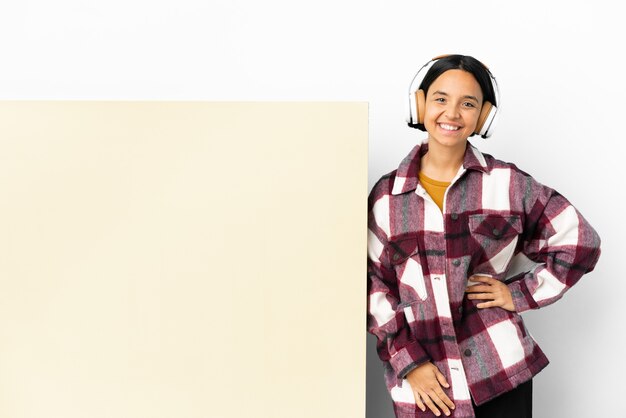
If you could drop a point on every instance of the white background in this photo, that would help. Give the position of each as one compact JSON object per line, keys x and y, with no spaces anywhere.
{"x":559,"y":65}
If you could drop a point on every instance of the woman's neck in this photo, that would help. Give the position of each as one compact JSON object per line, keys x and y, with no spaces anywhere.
{"x":442,"y":163}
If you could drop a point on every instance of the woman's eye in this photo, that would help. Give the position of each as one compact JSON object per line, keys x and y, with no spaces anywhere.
{"x":440,"y":100}
{"x":468,"y":104}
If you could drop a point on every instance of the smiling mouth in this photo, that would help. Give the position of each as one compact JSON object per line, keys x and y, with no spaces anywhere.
{"x":447,"y":127}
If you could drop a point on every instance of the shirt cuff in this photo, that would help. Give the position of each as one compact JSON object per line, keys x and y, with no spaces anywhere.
{"x":408,"y":358}
{"x":522,"y":298}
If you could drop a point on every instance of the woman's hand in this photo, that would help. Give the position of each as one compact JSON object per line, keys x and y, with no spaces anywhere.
{"x":426,"y":381}
{"x":492,"y":290}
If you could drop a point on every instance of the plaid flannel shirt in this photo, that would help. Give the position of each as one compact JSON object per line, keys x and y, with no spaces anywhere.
{"x":497,"y":221}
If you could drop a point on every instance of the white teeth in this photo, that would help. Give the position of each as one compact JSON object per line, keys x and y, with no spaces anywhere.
{"x":449,"y":127}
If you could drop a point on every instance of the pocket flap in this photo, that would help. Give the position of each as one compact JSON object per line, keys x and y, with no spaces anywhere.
{"x":402,"y":247}
{"x":495,"y":226}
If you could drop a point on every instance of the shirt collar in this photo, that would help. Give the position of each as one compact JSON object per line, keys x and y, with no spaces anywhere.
{"x":407,"y":173}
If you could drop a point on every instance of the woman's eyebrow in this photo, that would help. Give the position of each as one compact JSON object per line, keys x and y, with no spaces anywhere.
{"x":467,"y":96}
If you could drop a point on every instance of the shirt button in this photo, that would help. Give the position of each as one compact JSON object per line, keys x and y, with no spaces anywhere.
{"x":454,"y":216}
{"x":468,"y":352}
{"x":396,"y":256}
{"x":456,"y":262}
{"x":496,"y":232}
{"x":460,"y":309}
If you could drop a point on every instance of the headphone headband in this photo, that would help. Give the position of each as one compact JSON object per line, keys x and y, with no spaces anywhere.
{"x":415,"y":115}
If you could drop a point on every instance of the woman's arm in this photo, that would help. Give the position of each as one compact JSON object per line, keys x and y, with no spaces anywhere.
{"x":386,"y":319}
{"x":562,"y":242}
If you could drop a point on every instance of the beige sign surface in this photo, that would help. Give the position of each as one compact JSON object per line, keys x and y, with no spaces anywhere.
{"x":182,"y":259}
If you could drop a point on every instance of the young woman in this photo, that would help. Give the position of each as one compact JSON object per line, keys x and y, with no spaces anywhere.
{"x":459,"y":244}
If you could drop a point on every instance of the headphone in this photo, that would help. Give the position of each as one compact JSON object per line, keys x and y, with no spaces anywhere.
{"x":417,"y":102}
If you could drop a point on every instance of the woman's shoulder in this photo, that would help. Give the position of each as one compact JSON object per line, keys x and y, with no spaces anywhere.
{"x":383,"y":186}
{"x":497,"y":164}
{"x":520,"y":184}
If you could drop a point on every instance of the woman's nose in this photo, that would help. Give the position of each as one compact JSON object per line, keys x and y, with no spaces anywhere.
{"x":452,"y":111}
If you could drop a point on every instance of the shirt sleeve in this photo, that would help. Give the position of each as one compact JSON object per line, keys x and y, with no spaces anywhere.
{"x":386,"y":320}
{"x":564,"y":245}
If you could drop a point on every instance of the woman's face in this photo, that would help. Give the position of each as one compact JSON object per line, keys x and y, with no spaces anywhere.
{"x":453,"y":106}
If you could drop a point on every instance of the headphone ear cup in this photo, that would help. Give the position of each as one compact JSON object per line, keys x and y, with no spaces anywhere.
{"x":484,"y":113}
{"x":420,"y":103}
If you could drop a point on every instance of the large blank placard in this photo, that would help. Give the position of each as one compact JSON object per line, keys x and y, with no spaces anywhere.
{"x":182,"y":259}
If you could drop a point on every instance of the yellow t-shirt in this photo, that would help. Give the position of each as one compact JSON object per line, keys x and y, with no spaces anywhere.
{"x":436,"y":189}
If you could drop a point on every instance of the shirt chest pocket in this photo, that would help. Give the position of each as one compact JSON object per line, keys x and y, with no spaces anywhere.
{"x":405,"y":259}
{"x":495,"y":239}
